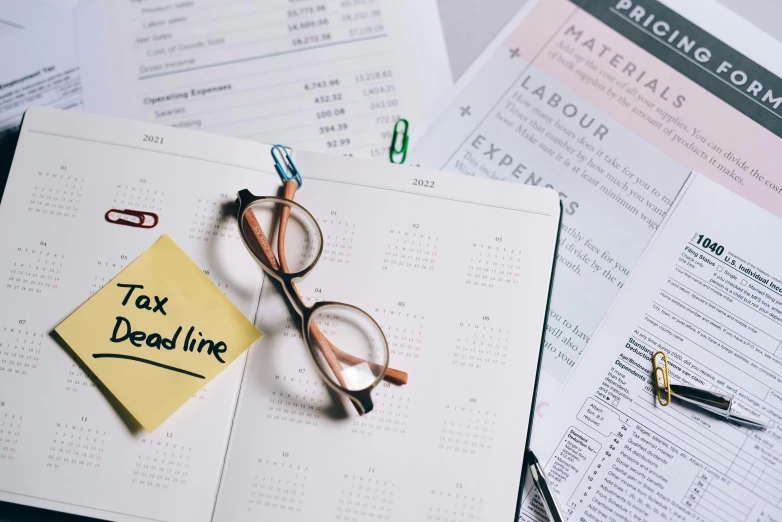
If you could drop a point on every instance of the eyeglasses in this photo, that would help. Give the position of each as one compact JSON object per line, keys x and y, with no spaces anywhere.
{"x":347,"y":345}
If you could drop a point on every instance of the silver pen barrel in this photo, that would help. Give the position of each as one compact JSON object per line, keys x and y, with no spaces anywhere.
{"x":720,"y":404}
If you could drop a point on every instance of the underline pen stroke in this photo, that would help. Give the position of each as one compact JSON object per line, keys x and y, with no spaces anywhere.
{"x":146,"y":361}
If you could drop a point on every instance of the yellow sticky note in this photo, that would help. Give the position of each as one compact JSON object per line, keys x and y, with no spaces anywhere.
{"x":157,"y":333}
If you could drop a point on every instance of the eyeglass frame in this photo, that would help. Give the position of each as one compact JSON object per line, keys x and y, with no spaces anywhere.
{"x":361,"y":398}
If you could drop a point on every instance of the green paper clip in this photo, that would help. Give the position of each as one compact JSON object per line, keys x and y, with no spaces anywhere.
{"x":398,"y":148}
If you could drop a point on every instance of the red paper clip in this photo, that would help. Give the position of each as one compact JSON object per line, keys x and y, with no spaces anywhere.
{"x":132,"y":218}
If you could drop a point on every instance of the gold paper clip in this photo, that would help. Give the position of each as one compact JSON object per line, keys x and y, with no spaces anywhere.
{"x":662,"y":383}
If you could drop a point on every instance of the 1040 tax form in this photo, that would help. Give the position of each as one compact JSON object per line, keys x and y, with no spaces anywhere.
{"x":708,"y":291}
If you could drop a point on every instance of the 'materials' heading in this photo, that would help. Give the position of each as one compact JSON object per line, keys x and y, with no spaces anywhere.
{"x":667,"y":32}
{"x":687,"y":48}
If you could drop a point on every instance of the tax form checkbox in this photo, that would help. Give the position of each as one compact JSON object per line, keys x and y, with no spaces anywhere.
{"x":743,"y":282}
{"x":719,"y":268}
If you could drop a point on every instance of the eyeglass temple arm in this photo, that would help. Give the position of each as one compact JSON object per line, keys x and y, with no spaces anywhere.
{"x":323,"y":343}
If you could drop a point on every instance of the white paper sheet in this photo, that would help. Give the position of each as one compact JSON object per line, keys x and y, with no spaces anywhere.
{"x":328,"y":76}
{"x":588,"y":105}
{"x":455,"y":272}
{"x":708,"y":291}
{"x":38,"y":65}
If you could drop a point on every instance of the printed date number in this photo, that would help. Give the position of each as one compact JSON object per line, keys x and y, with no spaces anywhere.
{"x":153,"y":139}
{"x":423,"y":183}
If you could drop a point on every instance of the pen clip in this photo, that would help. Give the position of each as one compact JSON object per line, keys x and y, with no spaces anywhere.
{"x":662,"y":382}
{"x":284,"y":165}
{"x":399,"y":146}
{"x":132,"y":218}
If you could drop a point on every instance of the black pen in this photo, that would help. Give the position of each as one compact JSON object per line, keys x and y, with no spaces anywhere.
{"x":542,"y":484}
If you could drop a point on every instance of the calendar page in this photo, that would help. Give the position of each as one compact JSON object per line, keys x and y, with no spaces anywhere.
{"x":455,"y":271}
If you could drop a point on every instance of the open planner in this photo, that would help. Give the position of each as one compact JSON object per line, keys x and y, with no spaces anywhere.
{"x":456,"y":271}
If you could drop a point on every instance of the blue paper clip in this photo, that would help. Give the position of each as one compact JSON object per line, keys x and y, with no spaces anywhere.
{"x":397,"y":147}
{"x":285,"y":167}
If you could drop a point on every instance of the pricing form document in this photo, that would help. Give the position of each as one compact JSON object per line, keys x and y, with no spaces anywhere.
{"x":613,"y":104}
{"x":39,"y":64}
{"x":323,"y":75}
{"x":454,"y":270}
{"x":708,"y":292}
